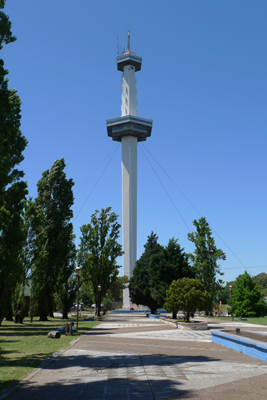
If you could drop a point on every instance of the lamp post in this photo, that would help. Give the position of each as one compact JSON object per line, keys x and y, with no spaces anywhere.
{"x":99,"y":300}
{"x":231,"y":287}
{"x":78,"y":274}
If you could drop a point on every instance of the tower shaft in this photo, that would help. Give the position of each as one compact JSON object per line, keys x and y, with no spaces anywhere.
{"x":129,"y":208}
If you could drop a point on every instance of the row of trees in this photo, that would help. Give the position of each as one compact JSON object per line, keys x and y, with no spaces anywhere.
{"x":159,"y":266}
{"x":36,"y":235}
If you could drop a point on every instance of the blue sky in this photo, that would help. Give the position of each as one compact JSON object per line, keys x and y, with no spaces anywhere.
{"x":204,"y":84}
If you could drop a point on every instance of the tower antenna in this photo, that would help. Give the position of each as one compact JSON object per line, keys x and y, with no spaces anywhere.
{"x":129,"y":38}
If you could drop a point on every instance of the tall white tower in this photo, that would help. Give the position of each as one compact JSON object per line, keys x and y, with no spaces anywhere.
{"x":129,"y":129}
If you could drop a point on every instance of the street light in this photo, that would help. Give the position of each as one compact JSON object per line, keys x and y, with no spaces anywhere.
{"x":99,"y":300}
{"x":78,"y":274}
{"x":231,"y":287}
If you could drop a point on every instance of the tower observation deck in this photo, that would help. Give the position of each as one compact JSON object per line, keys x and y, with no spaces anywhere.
{"x":129,"y":129}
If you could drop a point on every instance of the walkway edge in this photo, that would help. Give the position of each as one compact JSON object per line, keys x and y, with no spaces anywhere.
{"x":46,"y":362}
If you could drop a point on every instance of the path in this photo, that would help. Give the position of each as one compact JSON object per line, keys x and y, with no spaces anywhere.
{"x":128,"y":357}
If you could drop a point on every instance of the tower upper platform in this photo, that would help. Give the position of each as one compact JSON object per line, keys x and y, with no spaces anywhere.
{"x":129,"y":58}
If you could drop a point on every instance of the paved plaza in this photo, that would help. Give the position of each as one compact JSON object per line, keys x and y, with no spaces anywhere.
{"x":128,"y":357}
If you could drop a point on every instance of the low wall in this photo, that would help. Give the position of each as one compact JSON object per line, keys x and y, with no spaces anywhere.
{"x":193,"y":325}
{"x":251,"y":347}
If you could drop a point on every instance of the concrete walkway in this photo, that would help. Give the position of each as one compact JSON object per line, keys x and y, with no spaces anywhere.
{"x":132,"y":357}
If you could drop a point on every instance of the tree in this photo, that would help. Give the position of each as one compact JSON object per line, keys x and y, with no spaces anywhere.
{"x":186,"y":294}
{"x":170,"y":264}
{"x":247,"y":300}
{"x":99,"y":249}
{"x":86,"y":293}
{"x":12,"y":189}
{"x":205,"y":257}
{"x":117,"y":287}
{"x":139,"y":287}
{"x":261,"y":280}
{"x":54,"y":248}
{"x":66,"y":290}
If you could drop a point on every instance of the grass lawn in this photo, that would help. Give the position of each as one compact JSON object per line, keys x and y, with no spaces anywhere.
{"x":257,"y":321}
{"x":24,"y":347}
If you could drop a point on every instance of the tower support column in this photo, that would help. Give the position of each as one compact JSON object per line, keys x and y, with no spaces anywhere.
{"x":129,"y":209}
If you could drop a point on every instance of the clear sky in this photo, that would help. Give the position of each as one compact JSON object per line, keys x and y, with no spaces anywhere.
{"x":204,"y":84}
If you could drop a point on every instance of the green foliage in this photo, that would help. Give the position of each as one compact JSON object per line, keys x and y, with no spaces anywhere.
{"x":139,"y":286}
{"x":99,"y":249}
{"x":157,"y":267}
{"x":107,"y":305}
{"x":164,"y":267}
{"x":186,"y":294}
{"x":12,"y":189}
{"x":86,"y":293}
{"x":19,"y":306}
{"x":247,"y":300}
{"x":222,"y":294}
{"x":261,"y":280}
{"x":205,"y":257}
{"x":65,"y":295}
{"x":5,"y":28}
{"x":54,"y":249}
{"x":116,"y":289}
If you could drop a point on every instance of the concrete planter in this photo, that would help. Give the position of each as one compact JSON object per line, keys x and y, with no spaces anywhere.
{"x":251,"y":347}
{"x":192,"y":326}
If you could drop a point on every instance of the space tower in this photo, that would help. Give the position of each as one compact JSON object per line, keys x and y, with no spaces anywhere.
{"x":129,"y":129}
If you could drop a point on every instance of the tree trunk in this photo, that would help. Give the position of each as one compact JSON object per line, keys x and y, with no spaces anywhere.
{"x":188,"y":316}
{"x":174,"y":315}
{"x":9,"y":316}
{"x":43,"y":318}
{"x":18,"y":319}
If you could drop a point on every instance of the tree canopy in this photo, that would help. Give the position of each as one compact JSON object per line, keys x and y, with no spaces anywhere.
{"x":247,"y":300}
{"x":13,"y":190}
{"x":99,"y":250}
{"x":205,"y":257}
{"x":54,"y":249}
{"x":170,"y":264}
{"x":155,"y":270}
{"x":261,"y":280}
{"x":139,"y":287}
{"x":188,"y":295}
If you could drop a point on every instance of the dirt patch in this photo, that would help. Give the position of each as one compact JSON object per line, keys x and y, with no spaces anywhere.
{"x":250,"y":335}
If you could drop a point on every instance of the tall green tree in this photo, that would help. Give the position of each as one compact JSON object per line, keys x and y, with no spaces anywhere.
{"x":66,"y":285}
{"x":247,"y":300}
{"x":19,"y":304}
{"x":164,"y":267}
{"x":54,"y":240}
{"x":99,"y":250}
{"x":12,"y":189}
{"x":186,"y":294}
{"x":205,"y":257}
{"x":139,"y":287}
